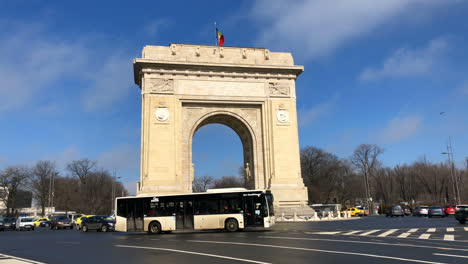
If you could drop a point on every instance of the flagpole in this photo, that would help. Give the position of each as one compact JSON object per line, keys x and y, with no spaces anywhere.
{"x":216,"y":35}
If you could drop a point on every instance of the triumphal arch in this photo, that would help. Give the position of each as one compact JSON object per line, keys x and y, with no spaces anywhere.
{"x":250,"y":90}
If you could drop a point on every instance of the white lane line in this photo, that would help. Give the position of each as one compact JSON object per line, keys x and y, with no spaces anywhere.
{"x":326,"y":233}
{"x":366,"y":242}
{"x":449,"y":237}
{"x":352,"y":232}
{"x":448,"y":255}
{"x":317,"y":250}
{"x":424,"y":236}
{"x":195,"y":253}
{"x":384,"y":234}
{"x":431,"y":230}
{"x":369,"y":232}
{"x":450,"y":229}
{"x":22,"y":259}
{"x":413,"y":230}
{"x":404,"y":235}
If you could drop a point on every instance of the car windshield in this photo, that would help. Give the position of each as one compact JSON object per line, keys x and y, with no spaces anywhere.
{"x":435,"y":207}
{"x":26,"y":220}
{"x":423,"y":207}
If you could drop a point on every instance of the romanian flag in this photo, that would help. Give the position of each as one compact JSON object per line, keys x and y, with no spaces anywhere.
{"x":220,"y":37}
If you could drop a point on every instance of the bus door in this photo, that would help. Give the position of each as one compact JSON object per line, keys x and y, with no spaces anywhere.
{"x":184,"y":215}
{"x":253,"y":206}
{"x":134,"y":215}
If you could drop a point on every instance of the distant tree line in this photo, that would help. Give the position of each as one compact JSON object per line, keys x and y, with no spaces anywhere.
{"x":333,"y":180}
{"x":362,"y":177}
{"x":83,"y":188}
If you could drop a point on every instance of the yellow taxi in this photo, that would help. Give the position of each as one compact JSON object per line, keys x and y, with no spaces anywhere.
{"x":356,"y":211}
{"x":81,"y":218}
{"x":38,"y":221}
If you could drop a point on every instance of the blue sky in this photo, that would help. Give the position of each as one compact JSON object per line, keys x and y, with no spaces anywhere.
{"x":375,"y":72}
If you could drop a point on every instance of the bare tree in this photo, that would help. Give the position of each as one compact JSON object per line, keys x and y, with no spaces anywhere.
{"x":201,"y":184}
{"x":229,"y":182}
{"x":81,"y":168}
{"x":41,"y":182}
{"x":365,"y":160}
{"x":12,"y":179}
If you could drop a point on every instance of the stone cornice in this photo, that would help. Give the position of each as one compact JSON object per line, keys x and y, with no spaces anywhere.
{"x":266,"y":72}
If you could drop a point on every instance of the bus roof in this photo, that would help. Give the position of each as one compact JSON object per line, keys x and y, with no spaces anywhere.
{"x":209,"y":191}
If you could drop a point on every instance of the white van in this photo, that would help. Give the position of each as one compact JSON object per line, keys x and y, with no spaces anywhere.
{"x":24,"y":223}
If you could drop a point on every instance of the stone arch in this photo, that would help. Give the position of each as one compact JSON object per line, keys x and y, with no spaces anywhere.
{"x":241,"y":127}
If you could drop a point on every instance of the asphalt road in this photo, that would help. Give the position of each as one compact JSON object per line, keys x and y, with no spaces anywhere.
{"x":366,"y":240}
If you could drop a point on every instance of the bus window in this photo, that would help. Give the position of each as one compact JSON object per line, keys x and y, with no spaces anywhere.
{"x":203,"y":207}
{"x":231,"y":206}
{"x":122,"y":207}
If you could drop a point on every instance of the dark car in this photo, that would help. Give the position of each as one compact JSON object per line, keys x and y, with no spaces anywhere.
{"x":60,"y":221}
{"x":462,"y":214}
{"x":436,"y":211}
{"x":7,"y":223}
{"x":406,"y":210}
{"x":98,"y":222}
{"x":44,"y":224}
{"x":394,"y":210}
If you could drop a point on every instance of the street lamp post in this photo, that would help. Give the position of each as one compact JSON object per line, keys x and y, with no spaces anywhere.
{"x":114,"y":178}
{"x":455,"y":187}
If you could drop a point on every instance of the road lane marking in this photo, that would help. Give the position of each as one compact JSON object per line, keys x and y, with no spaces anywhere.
{"x":431,"y":230}
{"x":404,"y":235}
{"x":352,"y":232}
{"x":318,"y":250}
{"x":424,"y":236}
{"x":450,"y":229}
{"x":22,"y":259}
{"x":326,"y":233}
{"x":448,"y":255}
{"x":388,"y":233}
{"x":195,"y":253}
{"x":369,"y":232}
{"x":449,"y":237}
{"x":413,"y":230}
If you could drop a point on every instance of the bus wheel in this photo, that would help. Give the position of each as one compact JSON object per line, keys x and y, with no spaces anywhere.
{"x":231,"y":225}
{"x":154,"y":228}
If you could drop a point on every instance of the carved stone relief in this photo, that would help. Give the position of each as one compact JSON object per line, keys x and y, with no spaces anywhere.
{"x":279,"y":89}
{"x":162,"y":114}
{"x":162,"y":86}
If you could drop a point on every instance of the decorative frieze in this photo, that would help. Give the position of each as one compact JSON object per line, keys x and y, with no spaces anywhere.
{"x":162,"y":86}
{"x":279,"y":89}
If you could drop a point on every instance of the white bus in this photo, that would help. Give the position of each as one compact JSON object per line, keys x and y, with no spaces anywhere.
{"x":231,"y":209}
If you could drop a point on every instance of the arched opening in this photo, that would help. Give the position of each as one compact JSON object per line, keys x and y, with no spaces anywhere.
{"x":222,"y":154}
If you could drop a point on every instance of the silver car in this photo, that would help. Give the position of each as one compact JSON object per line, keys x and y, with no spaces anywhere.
{"x":436,"y":211}
{"x":421,"y":211}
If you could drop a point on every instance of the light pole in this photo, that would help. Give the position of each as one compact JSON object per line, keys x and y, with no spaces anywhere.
{"x":114,"y":179}
{"x":455,"y":187}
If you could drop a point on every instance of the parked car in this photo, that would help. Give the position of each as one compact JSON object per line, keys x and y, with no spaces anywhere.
{"x":39,"y":221}
{"x":80,"y":219}
{"x":7,"y":223}
{"x":406,"y":210}
{"x":436,"y":211}
{"x":24,"y":223}
{"x":60,"y":221}
{"x":421,"y":211}
{"x":458,"y":206}
{"x":449,"y":209}
{"x":394,"y":210}
{"x":355,"y":211}
{"x":462,"y":214}
{"x":98,"y":222}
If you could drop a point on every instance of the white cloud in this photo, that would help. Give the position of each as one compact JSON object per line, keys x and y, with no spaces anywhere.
{"x":122,"y":157}
{"x":318,"y":27}
{"x":31,"y":61}
{"x":152,"y":28}
{"x":110,"y":84}
{"x":400,"y":128}
{"x":406,"y":62}
{"x":308,"y":116}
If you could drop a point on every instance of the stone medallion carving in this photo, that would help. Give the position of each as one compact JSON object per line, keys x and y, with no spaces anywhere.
{"x":162,"y":85}
{"x":162,"y":114}
{"x":282,"y":115}
{"x":279,"y":89}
